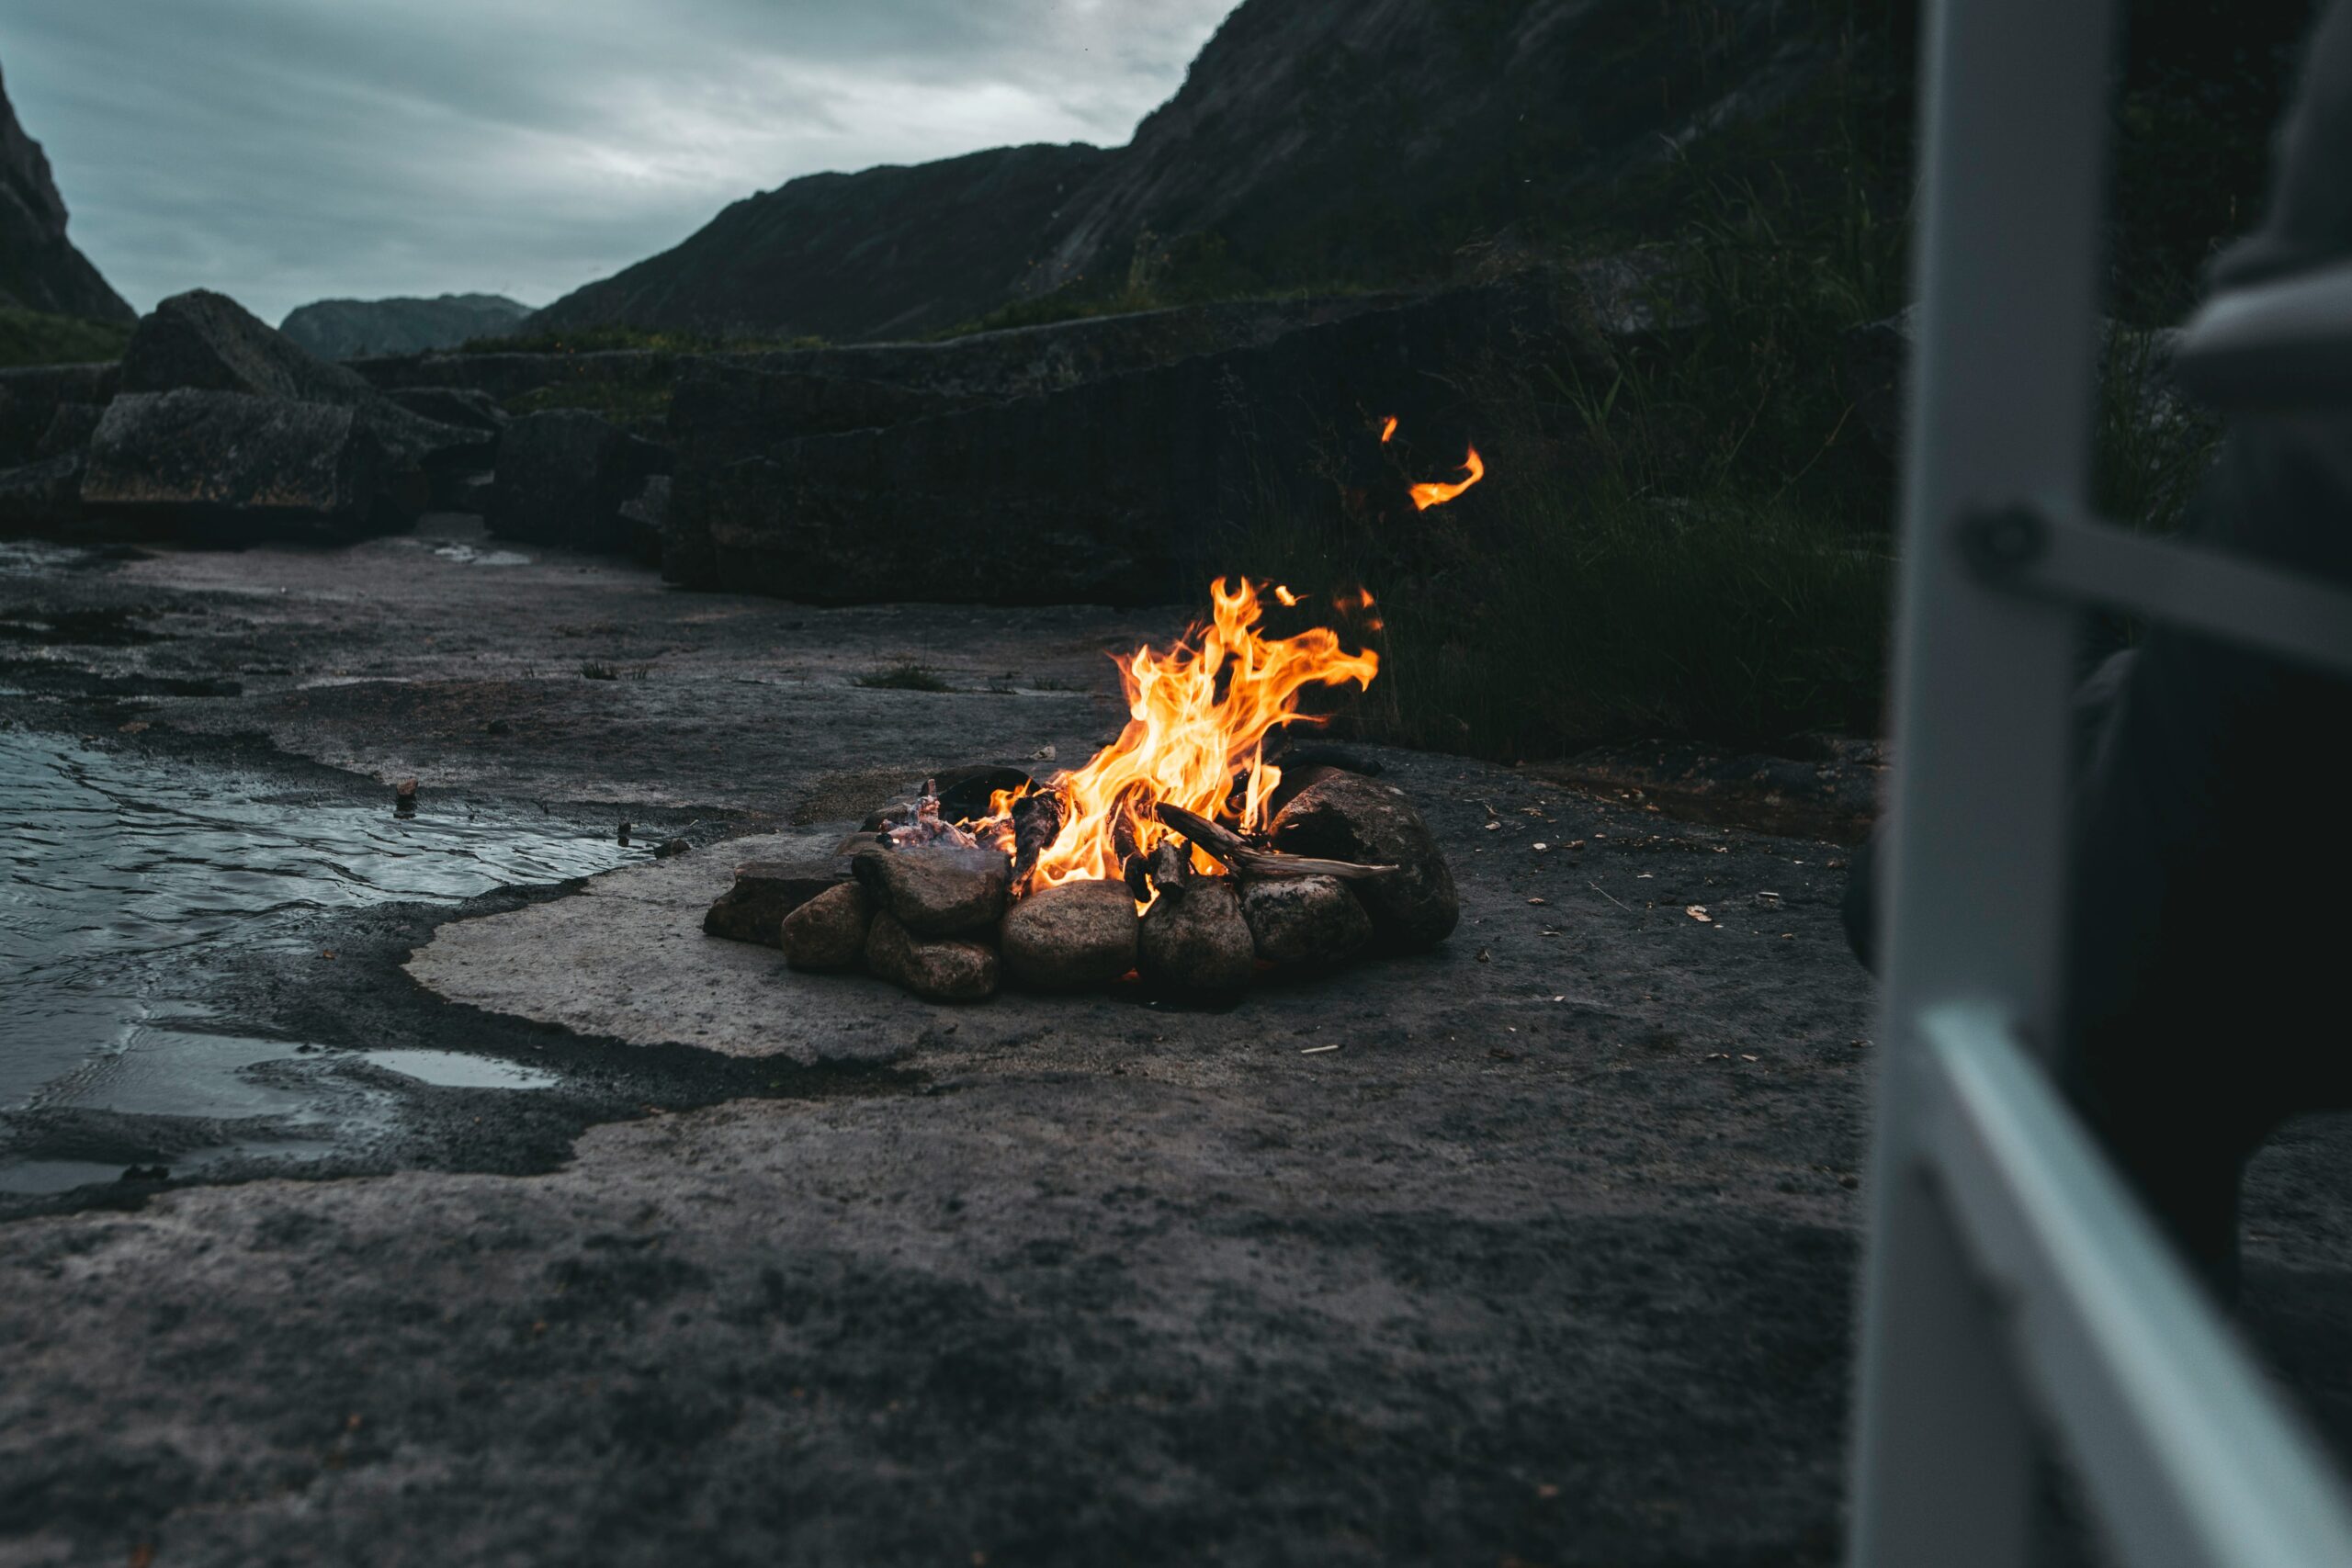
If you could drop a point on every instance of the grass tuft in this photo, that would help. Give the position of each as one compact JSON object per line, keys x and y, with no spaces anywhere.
{"x":616,"y":337}
{"x":33,"y":337}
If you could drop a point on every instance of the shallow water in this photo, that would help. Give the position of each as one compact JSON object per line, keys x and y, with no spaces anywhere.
{"x":128,"y":875}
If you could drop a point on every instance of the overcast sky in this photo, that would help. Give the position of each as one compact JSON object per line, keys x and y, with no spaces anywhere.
{"x":284,"y":151}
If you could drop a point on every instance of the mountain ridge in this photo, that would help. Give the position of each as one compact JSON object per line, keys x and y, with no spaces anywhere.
{"x":41,"y":269}
{"x":1311,"y":144}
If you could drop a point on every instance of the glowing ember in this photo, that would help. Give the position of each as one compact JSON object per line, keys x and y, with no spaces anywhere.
{"x":1199,"y":715}
{"x":1427,"y":495}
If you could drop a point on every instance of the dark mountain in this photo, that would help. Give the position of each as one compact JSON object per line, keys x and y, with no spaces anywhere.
{"x":1313,"y":142}
{"x":891,"y":252}
{"x":39,"y":268}
{"x":347,"y":329}
{"x":1369,"y":140}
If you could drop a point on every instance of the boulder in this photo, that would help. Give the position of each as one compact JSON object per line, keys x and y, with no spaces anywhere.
{"x":938,"y":890}
{"x":70,"y":429}
{"x":1346,"y":817}
{"x":721,"y":411}
{"x":829,"y":931}
{"x":37,"y":497}
{"x":938,"y":969}
{"x":205,"y":340}
{"x":1304,"y":922}
{"x":31,"y":397}
{"x":230,"y":457}
{"x":764,"y":892}
{"x":646,"y":514}
{"x":1079,"y":934}
{"x":563,"y":477}
{"x":1193,"y":939}
{"x":462,"y":406}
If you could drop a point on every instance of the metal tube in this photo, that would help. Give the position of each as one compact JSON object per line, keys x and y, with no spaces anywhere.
{"x":2014,"y":106}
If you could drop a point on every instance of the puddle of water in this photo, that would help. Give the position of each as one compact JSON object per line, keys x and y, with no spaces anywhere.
{"x":449,"y":1069}
{"x":38,"y":1177}
{"x":467,"y":555}
{"x":126,"y":876}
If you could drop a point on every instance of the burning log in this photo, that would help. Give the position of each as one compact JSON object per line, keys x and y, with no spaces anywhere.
{"x":1245,"y":860}
{"x":919,"y":821}
{"x":1037,"y":823}
{"x":1170,"y":867}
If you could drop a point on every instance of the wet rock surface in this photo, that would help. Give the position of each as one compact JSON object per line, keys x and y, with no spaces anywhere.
{"x":1313,"y":922}
{"x":1065,"y":938}
{"x":933,"y":890}
{"x":1373,"y":822}
{"x":936,"y":968}
{"x":1194,"y":941}
{"x":829,"y":931}
{"x":1538,"y":1263}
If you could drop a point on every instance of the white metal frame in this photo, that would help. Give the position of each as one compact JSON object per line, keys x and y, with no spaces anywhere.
{"x":2012,"y":1280}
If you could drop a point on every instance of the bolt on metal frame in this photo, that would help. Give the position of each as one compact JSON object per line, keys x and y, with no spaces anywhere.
{"x":2013,"y":1283}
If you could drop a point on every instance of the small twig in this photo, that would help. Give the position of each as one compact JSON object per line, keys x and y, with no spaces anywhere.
{"x":1611,"y":896}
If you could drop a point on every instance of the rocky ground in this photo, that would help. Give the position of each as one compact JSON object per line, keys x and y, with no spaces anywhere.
{"x":1549,"y":1262}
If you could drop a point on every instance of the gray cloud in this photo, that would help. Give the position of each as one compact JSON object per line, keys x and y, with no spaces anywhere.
{"x":284,"y":151}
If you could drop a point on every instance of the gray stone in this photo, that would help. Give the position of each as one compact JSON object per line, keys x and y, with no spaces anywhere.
{"x":764,"y":892}
{"x":1079,"y":934}
{"x":936,"y":890}
{"x":938,"y":969}
{"x":1304,"y":922}
{"x":258,"y":460}
{"x":563,"y":477}
{"x":1195,"y":939}
{"x":1349,"y":818}
{"x":829,"y":931}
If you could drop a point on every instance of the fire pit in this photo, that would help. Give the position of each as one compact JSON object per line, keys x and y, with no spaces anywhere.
{"x":1183,"y":855}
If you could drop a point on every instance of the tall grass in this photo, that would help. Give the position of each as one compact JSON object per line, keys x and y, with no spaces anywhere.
{"x":1693,"y":537}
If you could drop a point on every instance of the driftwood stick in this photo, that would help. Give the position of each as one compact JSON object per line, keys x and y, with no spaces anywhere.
{"x":1238,"y":855}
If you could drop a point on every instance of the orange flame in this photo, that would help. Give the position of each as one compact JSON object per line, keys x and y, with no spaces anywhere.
{"x":1199,"y":714}
{"x":1427,"y":495}
{"x":1285,"y":595}
{"x":1387,"y":429}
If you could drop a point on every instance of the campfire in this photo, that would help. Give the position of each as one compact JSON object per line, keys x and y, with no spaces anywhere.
{"x":1201,"y":849}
